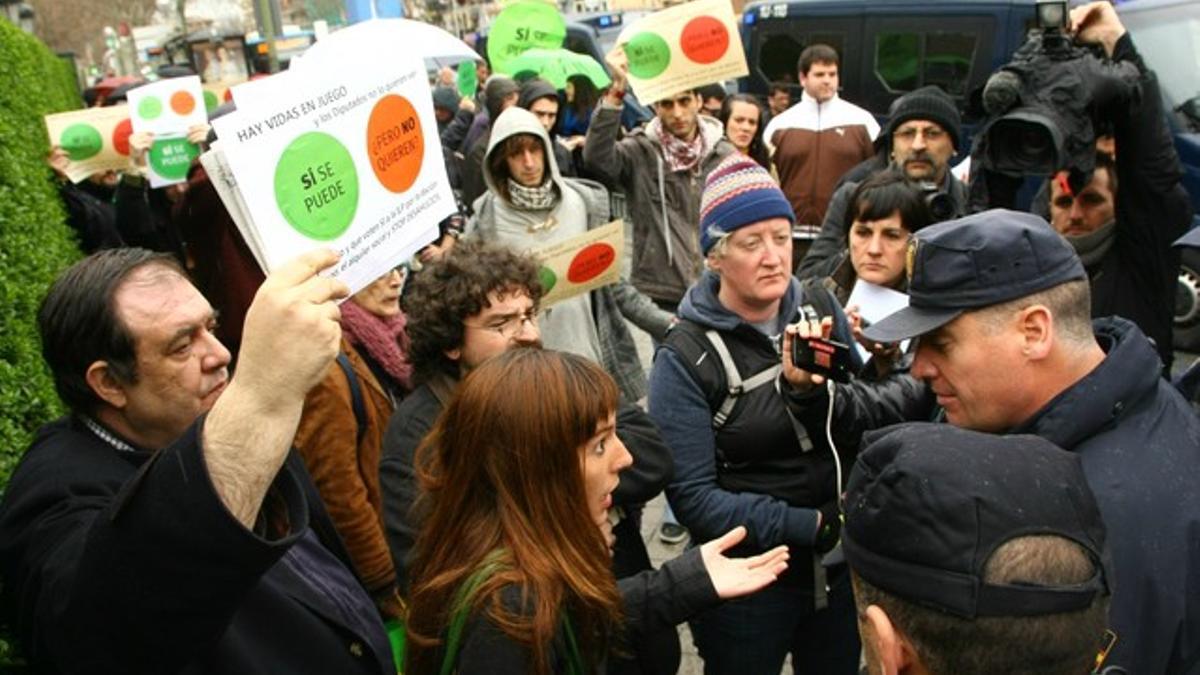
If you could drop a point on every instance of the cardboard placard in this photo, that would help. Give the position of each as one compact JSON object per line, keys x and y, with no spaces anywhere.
{"x":682,"y":48}
{"x":343,"y":153}
{"x":96,"y":139}
{"x":581,"y":263}
{"x":167,"y":109}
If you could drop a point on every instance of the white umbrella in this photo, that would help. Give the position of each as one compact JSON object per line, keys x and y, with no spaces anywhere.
{"x":437,"y":46}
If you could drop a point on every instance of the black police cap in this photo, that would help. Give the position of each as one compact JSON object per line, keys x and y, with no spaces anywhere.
{"x":972,"y":262}
{"x":927,"y":505}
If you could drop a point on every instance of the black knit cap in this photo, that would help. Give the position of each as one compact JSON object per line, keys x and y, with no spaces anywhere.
{"x":927,"y":103}
{"x":445,"y":97}
{"x":928,"y":504}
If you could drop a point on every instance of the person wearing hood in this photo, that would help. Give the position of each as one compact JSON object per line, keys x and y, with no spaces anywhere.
{"x":661,"y":169}
{"x":530,"y":205}
{"x":541,"y":98}
{"x":738,"y":456}
{"x":455,"y":116}
{"x":499,"y":94}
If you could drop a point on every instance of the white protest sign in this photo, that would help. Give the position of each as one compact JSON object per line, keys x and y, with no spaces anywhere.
{"x":221,"y":177}
{"x":342,"y":152}
{"x":581,"y":263}
{"x":683,"y":47}
{"x":95,"y":139}
{"x":875,"y":302}
{"x":167,"y":109}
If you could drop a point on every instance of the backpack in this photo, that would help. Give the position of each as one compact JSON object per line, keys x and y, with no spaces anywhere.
{"x":818,"y":303}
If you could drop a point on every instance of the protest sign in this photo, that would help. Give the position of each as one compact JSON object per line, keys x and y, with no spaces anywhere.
{"x":167,"y":109}
{"x":581,"y":263}
{"x":875,"y":302}
{"x":216,"y":93}
{"x":342,"y":152}
{"x":520,"y":26}
{"x":96,"y":139}
{"x":168,"y":106}
{"x":467,"y":79}
{"x":221,"y":177}
{"x":682,"y":48}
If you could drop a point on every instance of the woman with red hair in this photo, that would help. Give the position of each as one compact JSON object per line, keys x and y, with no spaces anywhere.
{"x":512,"y":571}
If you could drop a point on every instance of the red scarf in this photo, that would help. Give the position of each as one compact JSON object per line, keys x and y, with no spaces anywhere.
{"x":681,"y":155}
{"x":384,"y":339}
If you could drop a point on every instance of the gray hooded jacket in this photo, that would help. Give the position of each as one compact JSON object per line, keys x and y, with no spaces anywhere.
{"x":581,"y":205}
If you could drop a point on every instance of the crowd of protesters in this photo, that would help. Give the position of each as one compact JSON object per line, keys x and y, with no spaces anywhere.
{"x":994,"y":478}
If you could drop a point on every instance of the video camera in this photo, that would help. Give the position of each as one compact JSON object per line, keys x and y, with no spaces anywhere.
{"x":941,"y":206}
{"x":1042,"y":107}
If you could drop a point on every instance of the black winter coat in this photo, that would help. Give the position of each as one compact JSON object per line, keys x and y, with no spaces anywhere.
{"x":1136,"y":278}
{"x":1139,"y":443}
{"x":127,"y":562}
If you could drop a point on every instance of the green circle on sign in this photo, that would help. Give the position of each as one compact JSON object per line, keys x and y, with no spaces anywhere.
{"x":520,"y":26}
{"x":150,"y":108}
{"x":316,"y":186}
{"x":648,"y":55}
{"x":548,"y":279}
{"x":210,"y":101}
{"x":171,"y":157}
{"x":81,"y":141}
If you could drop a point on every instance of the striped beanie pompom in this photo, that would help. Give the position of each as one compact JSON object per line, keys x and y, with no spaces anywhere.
{"x":737,"y":193}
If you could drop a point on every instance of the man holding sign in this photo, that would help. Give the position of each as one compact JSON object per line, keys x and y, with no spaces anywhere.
{"x":661,"y":168}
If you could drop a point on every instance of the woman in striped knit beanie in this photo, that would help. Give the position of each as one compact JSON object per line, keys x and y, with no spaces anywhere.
{"x":746,"y":463}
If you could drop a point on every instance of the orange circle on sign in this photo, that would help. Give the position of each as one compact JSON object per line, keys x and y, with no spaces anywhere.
{"x":183,"y":103}
{"x":395,"y":142}
{"x":704,"y":39}
{"x":591,"y":262}
{"x":120,"y":136}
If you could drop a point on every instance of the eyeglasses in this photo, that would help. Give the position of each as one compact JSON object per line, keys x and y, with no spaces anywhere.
{"x":910,"y":133}
{"x":511,"y":326}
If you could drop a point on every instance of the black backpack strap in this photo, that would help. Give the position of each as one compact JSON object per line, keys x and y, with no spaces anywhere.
{"x":736,"y":386}
{"x":356,"y":397}
{"x":695,"y":345}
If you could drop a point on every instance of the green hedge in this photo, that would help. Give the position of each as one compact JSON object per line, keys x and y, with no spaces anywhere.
{"x":35,"y":242}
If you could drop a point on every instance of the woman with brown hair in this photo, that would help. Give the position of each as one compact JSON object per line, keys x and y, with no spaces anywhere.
{"x":519,"y":472}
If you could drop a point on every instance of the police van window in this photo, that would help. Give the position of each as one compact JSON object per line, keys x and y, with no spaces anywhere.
{"x":577,"y":43}
{"x":835,"y":40}
{"x":778,"y":56}
{"x":910,"y":60}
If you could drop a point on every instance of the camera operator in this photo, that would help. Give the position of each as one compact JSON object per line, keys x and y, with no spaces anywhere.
{"x":1123,"y":222}
{"x":923,"y":133}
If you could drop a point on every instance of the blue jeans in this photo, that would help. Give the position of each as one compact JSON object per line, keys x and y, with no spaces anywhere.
{"x":753,"y":635}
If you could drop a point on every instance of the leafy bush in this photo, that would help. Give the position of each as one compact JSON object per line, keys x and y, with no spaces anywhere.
{"x":35,"y":242}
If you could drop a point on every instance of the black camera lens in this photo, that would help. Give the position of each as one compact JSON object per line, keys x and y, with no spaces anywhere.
{"x":1022,"y":147}
{"x":941,"y":207}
